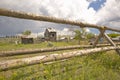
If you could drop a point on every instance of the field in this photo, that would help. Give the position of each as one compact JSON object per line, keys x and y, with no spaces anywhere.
{"x":12,"y":46}
{"x":99,"y":66}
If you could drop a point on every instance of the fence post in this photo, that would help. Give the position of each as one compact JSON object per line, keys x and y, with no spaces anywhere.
{"x":111,"y":42}
{"x":102,"y":30}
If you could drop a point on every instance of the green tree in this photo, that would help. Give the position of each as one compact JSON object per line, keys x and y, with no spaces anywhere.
{"x":27,"y":32}
{"x":113,"y":35}
{"x":82,"y":34}
{"x":78,"y":35}
{"x":90,"y":35}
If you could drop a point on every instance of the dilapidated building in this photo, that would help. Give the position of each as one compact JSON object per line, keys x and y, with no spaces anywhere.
{"x":50,"y":34}
{"x":25,"y":40}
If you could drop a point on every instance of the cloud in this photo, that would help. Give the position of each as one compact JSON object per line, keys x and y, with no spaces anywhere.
{"x":22,"y":5}
{"x":67,"y":9}
{"x":109,"y":15}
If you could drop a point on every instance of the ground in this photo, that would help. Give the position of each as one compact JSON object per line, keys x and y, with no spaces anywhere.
{"x":99,"y":66}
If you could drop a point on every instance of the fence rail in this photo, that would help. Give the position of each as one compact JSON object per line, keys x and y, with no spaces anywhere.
{"x":16,"y":63}
{"x":35,"y":51}
{"x":23,"y":15}
{"x":52,"y":57}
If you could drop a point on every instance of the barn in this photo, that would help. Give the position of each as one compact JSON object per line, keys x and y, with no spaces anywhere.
{"x":50,"y":34}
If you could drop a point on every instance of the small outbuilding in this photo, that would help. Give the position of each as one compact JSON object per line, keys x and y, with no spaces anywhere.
{"x":27,"y":40}
{"x":117,"y":39}
{"x":50,"y":34}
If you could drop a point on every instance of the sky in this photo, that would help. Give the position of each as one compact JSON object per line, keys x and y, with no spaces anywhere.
{"x":100,"y":12}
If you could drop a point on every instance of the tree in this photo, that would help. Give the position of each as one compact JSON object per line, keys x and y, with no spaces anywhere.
{"x":113,"y":35}
{"x":78,"y":35}
{"x":90,"y":35}
{"x":81,"y":34}
{"x":27,"y":32}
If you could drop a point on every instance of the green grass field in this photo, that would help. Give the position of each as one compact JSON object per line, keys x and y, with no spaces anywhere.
{"x":5,"y":46}
{"x":99,"y":66}
{"x":8,"y":46}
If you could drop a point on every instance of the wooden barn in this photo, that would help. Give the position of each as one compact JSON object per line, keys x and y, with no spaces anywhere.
{"x":27,"y":40}
{"x":50,"y":34}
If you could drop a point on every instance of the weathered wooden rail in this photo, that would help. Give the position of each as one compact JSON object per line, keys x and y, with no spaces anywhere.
{"x":10,"y":64}
{"x":23,"y":15}
{"x":52,"y":57}
{"x":35,"y":51}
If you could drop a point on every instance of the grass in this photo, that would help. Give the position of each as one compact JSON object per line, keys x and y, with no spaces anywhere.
{"x":8,"y":46}
{"x":32,"y":55}
{"x":100,"y":66}
{"x":5,"y":46}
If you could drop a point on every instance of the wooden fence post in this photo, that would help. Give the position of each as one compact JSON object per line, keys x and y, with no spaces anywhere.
{"x":100,"y":35}
{"x":111,"y":42}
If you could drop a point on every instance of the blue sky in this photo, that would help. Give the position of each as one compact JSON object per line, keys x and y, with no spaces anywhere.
{"x":98,"y":12}
{"x":96,"y":5}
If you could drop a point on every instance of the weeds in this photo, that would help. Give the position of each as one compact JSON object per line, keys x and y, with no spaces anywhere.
{"x":100,"y":66}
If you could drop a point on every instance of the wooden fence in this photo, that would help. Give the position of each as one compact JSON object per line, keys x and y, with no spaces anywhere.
{"x":11,"y":64}
{"x":23,"y":15}
{"x":46,"y":58}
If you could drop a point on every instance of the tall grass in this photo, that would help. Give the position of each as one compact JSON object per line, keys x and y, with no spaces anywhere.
{"x":99,"y":66}
{"x":11,"y":46}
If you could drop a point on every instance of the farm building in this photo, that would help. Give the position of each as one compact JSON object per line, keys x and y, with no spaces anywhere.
{"x":50,"y":34}
{"x":26,"y":39}
{"x":117,"y":39}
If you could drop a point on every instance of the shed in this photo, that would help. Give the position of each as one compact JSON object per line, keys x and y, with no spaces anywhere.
{"x":117,"y":39}
{"x":26,"y":40}
{"x":50,"y":34}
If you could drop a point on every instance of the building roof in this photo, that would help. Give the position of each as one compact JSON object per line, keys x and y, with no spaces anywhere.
{"x":28,"y":36}
{"x":117,"y":38}
{"x":51,"y":30}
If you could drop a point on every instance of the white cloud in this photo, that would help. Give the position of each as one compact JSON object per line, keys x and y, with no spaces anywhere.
{"x":22,"y":5}
{"x":65,"y":31}
{"x":109,"y":15}
{"x":87,"y":30}
{"x":68,"y":9}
